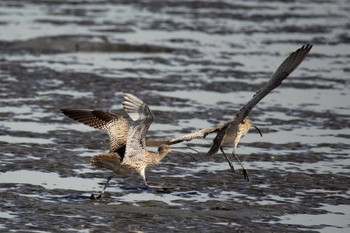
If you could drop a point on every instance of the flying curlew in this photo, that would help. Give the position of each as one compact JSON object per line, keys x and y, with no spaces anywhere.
{"x":235,"y":128}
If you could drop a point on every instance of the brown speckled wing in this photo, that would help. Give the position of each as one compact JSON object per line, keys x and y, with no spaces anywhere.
{"x":110,"y":161}
{"x":115,"y":126}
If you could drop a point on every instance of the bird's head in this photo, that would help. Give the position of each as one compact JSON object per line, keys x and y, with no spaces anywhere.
{"x":249,"y":123}
{"x":164,"y":148}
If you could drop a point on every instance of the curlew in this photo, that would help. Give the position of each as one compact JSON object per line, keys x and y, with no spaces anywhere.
{"x":228,"y":133}
{"x":117,"y":128}
{"x":233,"y":137}
{"x":235,"y":128}
{"x":137,"y":157}
{"x":282,"y":72}
{"x":128,"y":150}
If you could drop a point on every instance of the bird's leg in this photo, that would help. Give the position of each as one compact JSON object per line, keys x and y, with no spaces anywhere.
{"x":145,"y":181}
{"x":245,"y":172}
{"x":151,"y":186}
{"x":154,"y":186}
{"x":142,"y":173}
{"x":103,"y":190}
{"x":228,"y":160}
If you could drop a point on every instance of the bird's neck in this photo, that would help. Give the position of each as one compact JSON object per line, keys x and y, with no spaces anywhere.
{"x":158,"y":156}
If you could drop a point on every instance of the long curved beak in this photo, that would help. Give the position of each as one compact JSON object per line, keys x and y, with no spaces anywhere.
{"x":258,"y":130}
{"x":186,"y":153}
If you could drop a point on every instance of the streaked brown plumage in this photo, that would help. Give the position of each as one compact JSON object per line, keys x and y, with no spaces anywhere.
{"x":115,"y":126}
{"x":110,"y":161}
{"x":128,"y":150}
{"x":228,"y":133}
{"x":137,"y":157}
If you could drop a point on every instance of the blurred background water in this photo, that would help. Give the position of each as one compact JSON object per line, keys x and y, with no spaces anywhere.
{"x":195,"y":63}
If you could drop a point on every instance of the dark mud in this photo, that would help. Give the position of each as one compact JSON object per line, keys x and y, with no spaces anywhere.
{"x":194,"y":63}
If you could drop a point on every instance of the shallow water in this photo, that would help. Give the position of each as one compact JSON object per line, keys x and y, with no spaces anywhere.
{"x":195,"y":63}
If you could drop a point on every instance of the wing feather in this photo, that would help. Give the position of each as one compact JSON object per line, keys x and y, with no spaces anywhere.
{"x":110,"y":161}
{"x":115,"y":126}
{"x":282,"y":72}
{"x":142,"y":118}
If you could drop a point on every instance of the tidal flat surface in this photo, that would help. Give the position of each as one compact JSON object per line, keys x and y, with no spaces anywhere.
{"x":195,"y":63}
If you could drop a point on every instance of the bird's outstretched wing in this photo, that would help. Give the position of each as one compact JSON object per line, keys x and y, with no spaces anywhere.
{"x":282,"y":72}
{"x":115,"y":126}
{"x":142,"y":118}
{"x":94,"y":118}
{"x":199,"y":134}
{"x":136,"y":108}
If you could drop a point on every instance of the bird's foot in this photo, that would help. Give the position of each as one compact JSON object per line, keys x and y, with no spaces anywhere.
{"x":245,"y":174}
{"x":158,"y":188}
{"x":155,"y":187}
{"x":94,"y":197}
{"x":232,"y":169}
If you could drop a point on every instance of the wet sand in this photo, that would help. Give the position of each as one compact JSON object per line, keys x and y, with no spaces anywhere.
{"x":195,"y":64}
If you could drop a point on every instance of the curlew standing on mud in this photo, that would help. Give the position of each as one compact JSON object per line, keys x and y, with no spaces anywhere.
{"x":128,"y":150}
{"x":137,"y":157}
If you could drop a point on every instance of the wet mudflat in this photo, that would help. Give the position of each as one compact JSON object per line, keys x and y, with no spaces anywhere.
{"x":195,"y":63}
